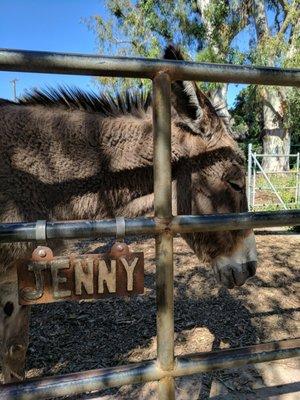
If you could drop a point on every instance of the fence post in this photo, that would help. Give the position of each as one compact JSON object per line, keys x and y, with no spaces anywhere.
{"x":164,"y":241}
{"x":253,"y":183}
{"x":297,"y":194}
{"x":249,"y":175}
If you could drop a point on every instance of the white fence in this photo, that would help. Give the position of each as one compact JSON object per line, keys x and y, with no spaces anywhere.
{"x":257,"y":174}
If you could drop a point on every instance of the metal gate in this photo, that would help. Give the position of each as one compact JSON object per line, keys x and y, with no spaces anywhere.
{"x":256,"y":170}
{"x":166,"y":367}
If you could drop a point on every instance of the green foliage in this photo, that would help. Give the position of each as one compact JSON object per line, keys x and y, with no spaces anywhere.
{"x":278,"y":180}
{"x":248,"y":116}
{"x":278,"y":37}
{"x":292,"y":120}
{"x":282,"y":182}
{"x":248,"y":119}
{"x":144,"y":27}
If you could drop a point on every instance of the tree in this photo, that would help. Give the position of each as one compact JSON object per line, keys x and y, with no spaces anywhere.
{"x":247,"y":114}
{"x":204,"y":29}
{"x":277,"y":43}
{"x":222,"y":20}
{"x":142,"y":28}
{"x":248,"y":118}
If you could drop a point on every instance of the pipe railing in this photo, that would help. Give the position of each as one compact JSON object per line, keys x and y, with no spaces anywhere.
{"x":26,"y":231}
{"x":93,"y":65}
{"x":96,"y":380}
{"x":164,"y":226}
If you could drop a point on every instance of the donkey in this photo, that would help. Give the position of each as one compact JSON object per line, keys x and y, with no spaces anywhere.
{"x":67,"y":155}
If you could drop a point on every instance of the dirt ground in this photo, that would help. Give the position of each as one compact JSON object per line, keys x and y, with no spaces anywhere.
{"x":69,"y":337}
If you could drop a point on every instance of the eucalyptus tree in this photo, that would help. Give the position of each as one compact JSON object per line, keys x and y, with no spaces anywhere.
{"x":204,"y":29}
{"x":222,"y":20}
{"x":276,"y":43}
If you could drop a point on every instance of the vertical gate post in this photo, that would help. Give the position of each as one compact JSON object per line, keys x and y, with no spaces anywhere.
{"x":297,"y":194}
{"x":164,"y":242}
{"x":249,"y":175}
{"x":253,"y":184}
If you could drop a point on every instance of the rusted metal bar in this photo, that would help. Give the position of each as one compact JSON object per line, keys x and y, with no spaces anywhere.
{"x":162,"y":146}
{"x":26,"y":231}
{"x":164,"y":241}
{"x":166,"y":388}
{"x":93,"y":65}
{"x":231,"y":222}
{"x":165,"y":313}
{"x":232,"y":358}
{"x":83,"y":382}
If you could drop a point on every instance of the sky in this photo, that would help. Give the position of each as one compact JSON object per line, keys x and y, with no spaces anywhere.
{"x":52,"y":25}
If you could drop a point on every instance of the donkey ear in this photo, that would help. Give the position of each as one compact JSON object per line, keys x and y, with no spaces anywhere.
{"x":173,"y":53}
{"x":184,"y":95}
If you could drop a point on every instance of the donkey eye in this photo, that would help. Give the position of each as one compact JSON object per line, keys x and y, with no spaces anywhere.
{"x":235,"y":185}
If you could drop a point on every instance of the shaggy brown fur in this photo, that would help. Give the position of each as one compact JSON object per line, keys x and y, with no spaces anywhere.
{"x":69,"y":155}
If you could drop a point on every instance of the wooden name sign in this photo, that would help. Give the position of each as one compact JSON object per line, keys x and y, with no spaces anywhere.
{"x":45,"y":278}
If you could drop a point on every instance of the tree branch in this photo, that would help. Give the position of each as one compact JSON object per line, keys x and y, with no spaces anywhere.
{"x":260,"y":18}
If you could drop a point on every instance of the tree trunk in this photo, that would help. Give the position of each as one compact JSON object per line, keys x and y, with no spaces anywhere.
{"x":276,"y":139}
{"x":218,"y":98}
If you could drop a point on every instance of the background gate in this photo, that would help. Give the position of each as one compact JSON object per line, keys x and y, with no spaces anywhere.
{"x":164,"y":226}
{"x":261,"y":181}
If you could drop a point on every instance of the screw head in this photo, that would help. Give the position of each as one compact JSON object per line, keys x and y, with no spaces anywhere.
{"x":119,"y":249}
{"x":42,"y":253}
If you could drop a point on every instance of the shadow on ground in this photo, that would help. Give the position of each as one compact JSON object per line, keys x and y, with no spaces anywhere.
{"x":69,"y":337}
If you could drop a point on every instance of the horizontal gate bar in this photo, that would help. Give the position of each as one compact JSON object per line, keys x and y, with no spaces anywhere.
{"x":26,"y":231}
{"x":231,"y":222}
{"x":81,"y":64}
{"x":83,"y":382}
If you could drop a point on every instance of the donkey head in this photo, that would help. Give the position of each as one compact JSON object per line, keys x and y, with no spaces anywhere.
{"x":211,"y":180}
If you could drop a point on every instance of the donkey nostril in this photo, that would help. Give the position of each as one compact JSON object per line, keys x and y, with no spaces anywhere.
{"x":8,"y":308}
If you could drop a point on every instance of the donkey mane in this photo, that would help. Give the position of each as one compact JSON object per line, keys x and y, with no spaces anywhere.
{"x":74,"y":98}
{"x":106,"y":104}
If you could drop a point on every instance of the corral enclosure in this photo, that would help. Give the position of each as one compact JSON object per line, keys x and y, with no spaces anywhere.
{"x":71,"y":337}
{"x":185,"y":286}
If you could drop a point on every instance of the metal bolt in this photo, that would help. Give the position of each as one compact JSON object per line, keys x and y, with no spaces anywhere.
{"x":42,"y":253}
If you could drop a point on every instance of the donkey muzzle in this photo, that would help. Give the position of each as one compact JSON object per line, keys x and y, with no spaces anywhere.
{"x":241,"y":265}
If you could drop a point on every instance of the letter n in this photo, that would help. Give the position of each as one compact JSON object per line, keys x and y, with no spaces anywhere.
{"x":83,"y":277}
{"x":108,"y":276}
